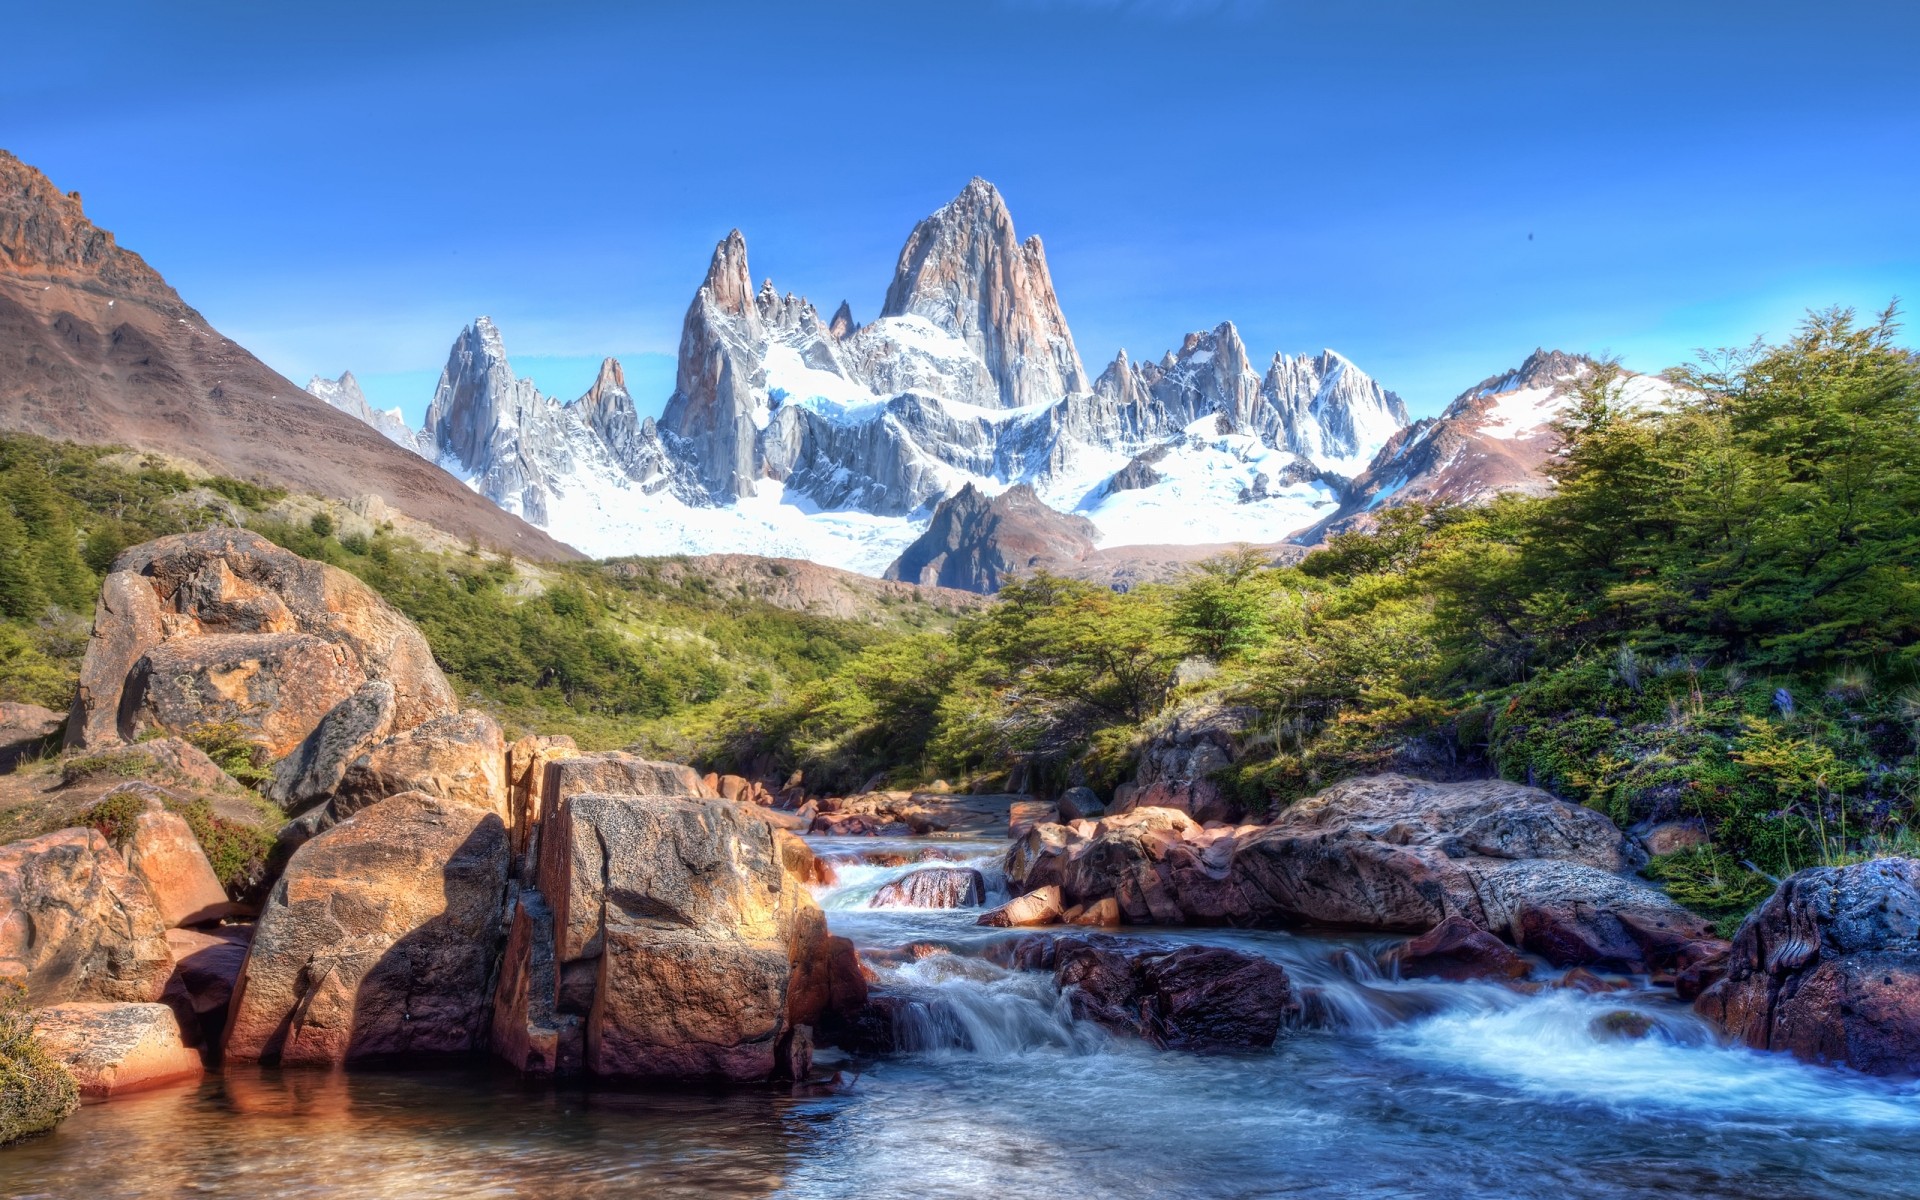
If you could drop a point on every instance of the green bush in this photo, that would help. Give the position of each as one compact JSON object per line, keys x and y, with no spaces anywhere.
{"x":36,"y":1093}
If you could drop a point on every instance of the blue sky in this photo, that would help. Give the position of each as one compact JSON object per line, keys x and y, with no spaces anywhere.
{"x":1432,"y":189}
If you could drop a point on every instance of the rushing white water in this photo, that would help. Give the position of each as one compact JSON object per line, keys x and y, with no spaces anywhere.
{"x":1390,"y":1089}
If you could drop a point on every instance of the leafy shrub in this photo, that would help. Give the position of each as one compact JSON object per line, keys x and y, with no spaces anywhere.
{"x":229,"y":746}
{"x":36,"y":1093}
{"x":1711,"y":883}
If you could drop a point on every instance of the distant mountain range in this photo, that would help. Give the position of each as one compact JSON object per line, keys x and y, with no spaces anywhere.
{"x":954,"y":439}
{"x":852,"y":444}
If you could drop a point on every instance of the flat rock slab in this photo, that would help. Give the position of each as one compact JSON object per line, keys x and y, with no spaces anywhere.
{"x":114,"y":1049}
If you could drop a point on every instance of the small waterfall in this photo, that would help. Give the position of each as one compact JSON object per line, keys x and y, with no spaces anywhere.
{"x":956,"y":1004}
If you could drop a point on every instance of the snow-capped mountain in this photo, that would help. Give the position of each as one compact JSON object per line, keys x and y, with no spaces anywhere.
{"x":833,"y":440}
{"x":344,"y":394}
{"x":1496,"y":436}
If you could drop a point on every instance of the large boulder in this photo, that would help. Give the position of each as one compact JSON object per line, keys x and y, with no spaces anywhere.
{"x":460,"y":757}
{"x":207,"y":965}
{"x":1384,"y":853}
{"x":162,"y":853}
{"x":1828,"y":969}
{"x":379,"y":940}
{"x":75,"y":925}
{"x":709,"y":958}
{"x":934,"y":887}
{"x":1201,"y":998}
{"x":114,"y":1049}
{"x":1183,"y":753}
{"x":273,"y":687}
{"x":315,"y":768}
{"x":1456,"y":949}
{"x":141,"y":670}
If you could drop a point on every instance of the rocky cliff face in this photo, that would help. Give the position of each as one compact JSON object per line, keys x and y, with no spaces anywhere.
{"x":964,"y":270}
{"x":977,"y":542}
{"x":96,"y":348}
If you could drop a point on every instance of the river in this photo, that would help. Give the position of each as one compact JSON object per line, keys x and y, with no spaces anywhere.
{"x":1397,"y":1089}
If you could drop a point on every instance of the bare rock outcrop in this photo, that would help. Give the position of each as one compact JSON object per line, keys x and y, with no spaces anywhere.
{"x":1828,"y":969}
{"x":964,"y":269}
{"x":26,"y":731}
{"x":1386,"y":853}
{"x":75,"y":925}
{"x":1199,"y":998}
{"x":222,"y":626}
{"x":934,"y":887}
{"x":707,"y":957}
{"x":1183,"y":752}
{"x":162,"y":853}
{"x":976,"y":542}
{"x":379,"y":940}
{"x":114,"y":1049}
{"x":315,"y":768}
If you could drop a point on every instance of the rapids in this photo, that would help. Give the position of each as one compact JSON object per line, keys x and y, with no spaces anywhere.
{"x":1392,"y":1089}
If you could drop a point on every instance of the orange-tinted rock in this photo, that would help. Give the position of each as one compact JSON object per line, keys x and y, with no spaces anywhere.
{"x":1023,"y":815}
{"x":315,"y":768}
{"x":461,"y":757}
{"x":527,"y":761}
{"x":75,"y":925}
{"x":710,"y":953}
{"x":162,"y":853}
{"x":224,"y":583}
{"x":379,"y":940}
{"x":273,"y":687}
{"x":207,"y":966}
{"x":732,"y":787}
{"x":114,"y":1049}
{"x":1038,"y":907}
{"x":1458,"y":950}
{"x":1102,"y":914}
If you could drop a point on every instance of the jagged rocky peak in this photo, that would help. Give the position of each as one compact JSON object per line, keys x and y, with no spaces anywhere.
{"x":1331,"y":409}
{"x":977,"y":542}
{"x":606,"y":406}
{"x":44,"y":232}
{"x":843,"y":326}
{"x":1546,"y":369}
{"x":964,"y":270}
{"x":729,"y":286}
{"x":483,"y":417}
{"x":344,"y":394}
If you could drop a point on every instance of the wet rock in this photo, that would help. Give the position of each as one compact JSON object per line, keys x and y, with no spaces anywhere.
{"x":1080,"y":803}
{"x":709,"y":954}
{"x":210,"y":586}
{"x":1200,"y":998}
{"x":1038,"y":907}
{"x":1101,"y":914}
{"x":26,"y":731}
{"x":1023,"y":815}
{"x":1458,"y":950}
{"x":846,"y":825}
{"x":75,"y":925}
{"x":1622,"y":1025}
{"x":379,"y":939}
{"x":1828,"y":969}
{"x":934,"y":887}
{"x":1573,"y":914}
{"x":162,"y":853}
{"x":114,"y":1049}
{"x":1580,"y":979}
{"x":316,"y":767}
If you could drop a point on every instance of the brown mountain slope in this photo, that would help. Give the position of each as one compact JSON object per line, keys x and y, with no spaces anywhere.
{"x":96,"y":348}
